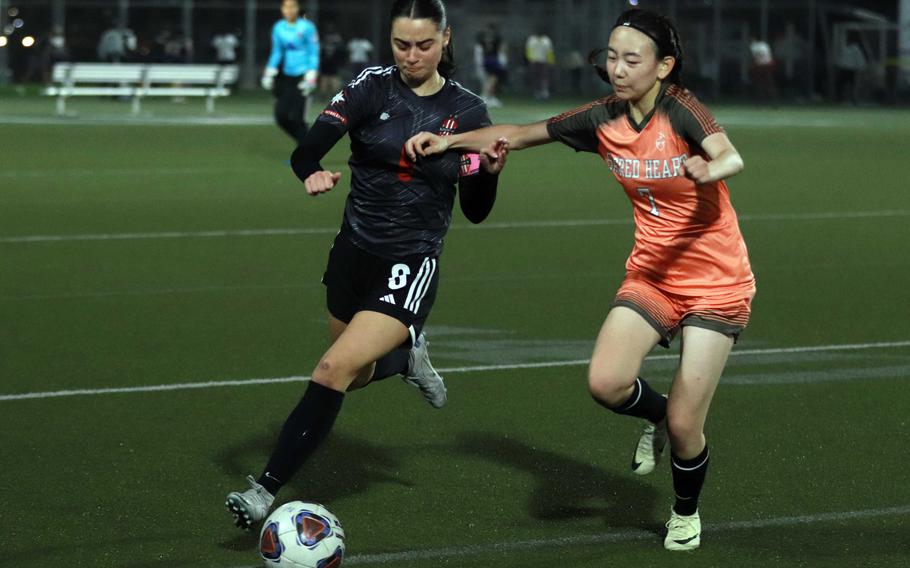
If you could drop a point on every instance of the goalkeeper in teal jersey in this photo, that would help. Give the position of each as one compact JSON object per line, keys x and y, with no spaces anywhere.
{"x":293,"y":68}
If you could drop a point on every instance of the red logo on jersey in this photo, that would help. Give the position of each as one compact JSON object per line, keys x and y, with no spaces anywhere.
{"x":449,"y":126}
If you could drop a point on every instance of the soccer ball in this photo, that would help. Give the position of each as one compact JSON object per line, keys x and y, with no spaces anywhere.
{"x":302,"y":535}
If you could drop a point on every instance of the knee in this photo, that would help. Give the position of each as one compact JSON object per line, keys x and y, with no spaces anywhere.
{"x":609,"y":387}
{"x":686,"y":435}
{"x":333,"y":374}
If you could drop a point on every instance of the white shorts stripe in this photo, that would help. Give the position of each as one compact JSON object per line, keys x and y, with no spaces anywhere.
{"x":415,"y":283}
{"x":426,"y":287}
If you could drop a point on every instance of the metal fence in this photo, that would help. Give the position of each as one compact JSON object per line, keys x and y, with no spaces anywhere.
{"x":807,"y":37}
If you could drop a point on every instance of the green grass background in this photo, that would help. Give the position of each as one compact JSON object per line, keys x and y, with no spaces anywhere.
{"x":138,"y":479}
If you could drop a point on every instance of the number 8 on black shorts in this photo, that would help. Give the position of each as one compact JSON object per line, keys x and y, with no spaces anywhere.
{"x":357,"y":280}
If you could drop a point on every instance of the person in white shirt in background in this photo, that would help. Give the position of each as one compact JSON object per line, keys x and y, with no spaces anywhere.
{"x":479,"y":72}
{"x":116,"y":44}
{"x":360,"y":53}
{"x":540,"y":56}
{"x":495,"y":64}
{"x":850,"y":63}
{"x":225,"y":46}
{"x":762,"y":71}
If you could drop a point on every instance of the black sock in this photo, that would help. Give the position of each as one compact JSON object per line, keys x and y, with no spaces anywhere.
{"x":644,"y":402}
{"x":688,"y":478}
{"x":303,"y":431}
{"x":393,"y":363}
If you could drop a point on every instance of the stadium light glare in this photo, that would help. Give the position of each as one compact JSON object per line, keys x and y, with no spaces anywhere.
{"x":8,"y":29}
{"x":13,"y":12}
{"x":633,"y":2}
{"x":18,"y":23}
{"x":28,"y":41}
{"x":3,"y":41}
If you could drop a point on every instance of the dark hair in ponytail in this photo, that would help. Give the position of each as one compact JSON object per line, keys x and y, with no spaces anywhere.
{"x":431,"y":10}
{"x":661,"y":31}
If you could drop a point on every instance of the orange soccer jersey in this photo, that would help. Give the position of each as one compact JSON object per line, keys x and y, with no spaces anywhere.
{"x":687,"y":237}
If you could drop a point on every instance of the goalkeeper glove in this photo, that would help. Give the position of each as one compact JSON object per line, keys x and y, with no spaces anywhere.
{"x":268,"y":78}
{"x":308,"y":84}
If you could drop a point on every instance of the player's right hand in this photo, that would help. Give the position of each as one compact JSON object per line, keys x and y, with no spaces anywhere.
{"x":425,"y":144}
{"x":321,"y":182}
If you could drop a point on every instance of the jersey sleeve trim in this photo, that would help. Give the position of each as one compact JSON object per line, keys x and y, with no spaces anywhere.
{"x":700,"y":112}
{"x":584,"y":108}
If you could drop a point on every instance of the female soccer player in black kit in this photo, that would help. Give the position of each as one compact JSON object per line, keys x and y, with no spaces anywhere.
{"x":383,"y":268}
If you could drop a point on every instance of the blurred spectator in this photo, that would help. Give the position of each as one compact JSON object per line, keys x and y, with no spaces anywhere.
{"x":479,"y":73}
{"x":540,"y":56}
{"x":575,"y":64}
{"x":179,"y":49}
{"x":762,"y":71}
{"x":790,"y":52}
{"x":117,"y":43}
{"x":495,"y":64}
{"x":360,"y":52}
{"x":331,"y":60}
{"x":159,"y":51}
{"x":171,"y":47}
{"x":850,"y":62}
{"x":225,"y":45}
{"x":53,"y":51}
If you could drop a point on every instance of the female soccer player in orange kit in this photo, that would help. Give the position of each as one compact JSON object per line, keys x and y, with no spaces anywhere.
{"x":689,"y":269}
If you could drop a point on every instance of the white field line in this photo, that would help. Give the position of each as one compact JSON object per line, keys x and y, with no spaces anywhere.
{"x":820,"y":216}
{"x":448,"y":370}
{"x":616,"y":536}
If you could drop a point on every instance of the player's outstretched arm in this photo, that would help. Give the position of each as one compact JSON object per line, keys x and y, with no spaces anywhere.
{"x":725,"y":160}
{"x":518,"y":136}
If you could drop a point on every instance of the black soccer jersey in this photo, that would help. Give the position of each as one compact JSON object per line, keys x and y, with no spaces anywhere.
{"x":398,"y":208}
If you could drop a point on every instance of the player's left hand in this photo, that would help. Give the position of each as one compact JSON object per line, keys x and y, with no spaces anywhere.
{"x":308,"y":84}
{"x":696,"y":169}
{"x":493,"y":157}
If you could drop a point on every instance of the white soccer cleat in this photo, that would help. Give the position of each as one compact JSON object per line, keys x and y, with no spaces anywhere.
{"x":250,"y":506}
{"x":683,"y":532}
{"x":650,"y":448}
{"x":422,"y":375}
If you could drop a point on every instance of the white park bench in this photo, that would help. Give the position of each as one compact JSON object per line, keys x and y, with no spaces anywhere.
{"x":139,"y":80}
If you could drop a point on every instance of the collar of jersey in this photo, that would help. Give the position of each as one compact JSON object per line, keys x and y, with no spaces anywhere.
{"x":647,"y":117}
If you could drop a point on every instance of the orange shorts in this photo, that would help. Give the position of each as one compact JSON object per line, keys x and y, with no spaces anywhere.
{"x":726,"y":312}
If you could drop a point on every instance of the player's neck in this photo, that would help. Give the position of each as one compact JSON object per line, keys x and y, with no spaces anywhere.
{"x":429,"y":87}
{"x":639,"y":109}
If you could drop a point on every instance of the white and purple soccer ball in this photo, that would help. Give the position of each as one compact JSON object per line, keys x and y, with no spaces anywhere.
{"x":302,"y":535}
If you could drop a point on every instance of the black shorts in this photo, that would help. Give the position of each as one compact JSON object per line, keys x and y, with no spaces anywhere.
{"x":357,"y":280}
